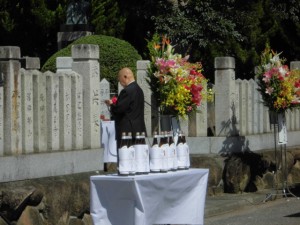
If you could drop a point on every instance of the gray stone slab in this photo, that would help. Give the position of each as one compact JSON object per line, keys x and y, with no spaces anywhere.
{"x":65,"y":111}
{"x":77,"y":111}
{"x":27,"y":111}
{"x":52,"y":99}
{"x":1,"y":123}
{"x":39,"y":112}
{"x":104,"y":95}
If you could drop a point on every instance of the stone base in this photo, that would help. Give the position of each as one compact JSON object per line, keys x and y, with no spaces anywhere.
{"x":65,"y":38}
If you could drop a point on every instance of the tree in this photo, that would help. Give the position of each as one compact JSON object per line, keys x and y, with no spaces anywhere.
{"x":107,"y":18}
{"x":31,"y":25}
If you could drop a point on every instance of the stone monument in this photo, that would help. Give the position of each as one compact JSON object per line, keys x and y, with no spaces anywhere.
{"x":77,"y":23}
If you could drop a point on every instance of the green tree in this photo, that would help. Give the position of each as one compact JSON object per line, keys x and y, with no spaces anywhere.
{"x":31,"y":25}
{"x":107,"y":18}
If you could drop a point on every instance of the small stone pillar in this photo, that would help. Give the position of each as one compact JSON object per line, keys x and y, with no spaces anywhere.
{"x":64,"y":64}
{"x":30,"y":63}
{"x":224,"y":94}
{"x":295,"y":65}
{"x":39,"y":111}
{"x":52,"y":102}
{"x":1,"y":117}
{"x":85,"y":62}
{"x":198,"y":120}
{"x":27,"y":110}
{"x":104,"y":95}
{"x":142,"y":66}
{"x":65,"y":110}
{"x":10,"y":70}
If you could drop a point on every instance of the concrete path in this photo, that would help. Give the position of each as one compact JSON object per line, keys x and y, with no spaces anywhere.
{"x":252,"y":209}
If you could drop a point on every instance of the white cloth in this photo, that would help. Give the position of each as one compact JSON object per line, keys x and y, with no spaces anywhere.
{"x":164,"y":198}
{"x":109,"y":141}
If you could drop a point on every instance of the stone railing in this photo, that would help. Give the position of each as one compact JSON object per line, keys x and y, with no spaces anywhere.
{"x":56,"y":114}
{"x":239,"y":109}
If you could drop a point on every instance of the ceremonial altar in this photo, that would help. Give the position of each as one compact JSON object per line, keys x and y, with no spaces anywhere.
{"x":162,"y":198}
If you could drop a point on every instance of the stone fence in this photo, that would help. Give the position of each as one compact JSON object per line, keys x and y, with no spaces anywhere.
{"x":50,"y":122}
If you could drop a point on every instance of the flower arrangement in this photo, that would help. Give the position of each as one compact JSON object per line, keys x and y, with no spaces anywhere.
{"x":278,"y":86}
{"x":178,"y":85}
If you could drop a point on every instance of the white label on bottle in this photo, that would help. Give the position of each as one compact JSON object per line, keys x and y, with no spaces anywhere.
{"x":155,"y":158}
{"x":125,"y":160}
{"x":141,"y":158}
{"x":181,"y":155}
{"x":165,"y":157}
{"x":187,"y":155}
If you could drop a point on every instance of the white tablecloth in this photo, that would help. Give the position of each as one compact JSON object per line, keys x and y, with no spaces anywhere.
{"x":170,"y":198}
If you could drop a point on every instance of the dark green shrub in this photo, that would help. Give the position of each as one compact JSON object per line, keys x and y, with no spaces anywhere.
{"x":114,"y":55}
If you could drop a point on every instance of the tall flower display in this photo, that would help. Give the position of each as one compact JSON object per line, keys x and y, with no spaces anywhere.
{"x":178,"y":85}
{"x":278,"y":86}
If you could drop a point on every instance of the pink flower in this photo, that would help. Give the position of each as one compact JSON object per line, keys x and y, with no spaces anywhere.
{"x":269,"y":90}
{"x":114,"y":100}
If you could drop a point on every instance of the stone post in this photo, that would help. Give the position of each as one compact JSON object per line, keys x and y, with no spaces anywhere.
{"x":1,"y":117}
{"x":52,"y":96}
{"x":77,"y":111}
{"x":39,"y":111}
{"x":85,"y":62}
{"x":142,"y":66}
{"x":65,"y":110}
{"x":224,"y":94}
{"x":295,"y":65}
{"x":30,"y":63}
{"x":197,"y":123}
{"x":27,"y":111}
{"x":104,"y":95}
{"x":64,"y":64}
{"x":10,"y":70}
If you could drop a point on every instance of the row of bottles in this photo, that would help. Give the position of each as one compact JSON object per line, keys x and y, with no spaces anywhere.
{"x":163,"y":156}
{"x":133,"y":155}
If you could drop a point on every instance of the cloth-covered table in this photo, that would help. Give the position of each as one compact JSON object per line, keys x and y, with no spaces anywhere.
{"x":163,"y":198}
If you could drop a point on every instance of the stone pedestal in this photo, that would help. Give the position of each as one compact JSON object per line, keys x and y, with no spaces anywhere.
{"x":85,"y":62}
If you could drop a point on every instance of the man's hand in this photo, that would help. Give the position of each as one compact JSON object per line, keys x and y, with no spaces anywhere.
{"x":108,"y":102}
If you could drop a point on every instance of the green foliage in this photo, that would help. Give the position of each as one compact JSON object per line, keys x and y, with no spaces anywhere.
{"x":114,"y":55}
{"x":107,"y":18}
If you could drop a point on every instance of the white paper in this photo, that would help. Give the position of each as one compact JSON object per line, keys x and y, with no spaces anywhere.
{"x":109,"y":141}
{"x":141,"y":158}
{"x":282,"y":131}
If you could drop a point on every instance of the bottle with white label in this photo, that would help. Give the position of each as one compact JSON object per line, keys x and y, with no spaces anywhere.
{"x":163,"y":145}
{"x":155,"y":155}
{"x":141,"y":154}
{"x":124,"y":156}
{"x":172,"y":153}
{"x":132,"y":152}
{"x":187,"y":166}
{"x":181,"y":153}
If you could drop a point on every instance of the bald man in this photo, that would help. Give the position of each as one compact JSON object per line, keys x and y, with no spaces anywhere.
{"x":128,"y":112}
